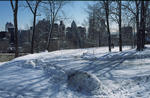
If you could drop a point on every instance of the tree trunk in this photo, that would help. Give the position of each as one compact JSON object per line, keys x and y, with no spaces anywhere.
{"x":144,"y":17}
{"x":137,"y":26}
{"x":16,"y":28}
{"x":99,"y":40}
{"x":142,"y":24}
{"x":50,"y":35}
{"x":107,"y":20}
{"x":120,"y":34}
{"x":34,"y":12}
{"x":33,"y":33}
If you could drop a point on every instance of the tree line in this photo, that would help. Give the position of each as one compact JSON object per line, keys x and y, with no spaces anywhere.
{"x":121,"y":12}
{"x":51,"y":9}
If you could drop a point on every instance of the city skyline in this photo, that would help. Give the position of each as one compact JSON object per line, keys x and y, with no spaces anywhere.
{"x":76,"y":11}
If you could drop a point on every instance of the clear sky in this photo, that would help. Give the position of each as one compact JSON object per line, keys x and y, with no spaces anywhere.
{"x":75,"y":10}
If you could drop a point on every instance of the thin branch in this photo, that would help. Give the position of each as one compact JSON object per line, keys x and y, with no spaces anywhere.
{"x":11,"y":2}
{"x":131,"y":10}
{"x":58,"y":9}
{"x":30,"y":6}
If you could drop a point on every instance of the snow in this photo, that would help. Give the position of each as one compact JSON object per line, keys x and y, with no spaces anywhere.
{"x":86,"y":83}
{"x":45,"y":75}
{"x":2,"y":63}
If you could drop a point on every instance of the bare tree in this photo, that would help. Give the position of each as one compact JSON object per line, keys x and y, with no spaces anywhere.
{"x":120,"y":34}
{"x":96,"y":23}
{"x":99,"y":14}
{"x":140,"y":17}
{"x":141,"y":25}
{"x":137,"y":26}
{"x":106,"y":7}
{"x":116,"y":16}
{"x":131,"y":16}
{"x":33,"y":9}
{"x":52,"y":9}
{"x":15,"y":12}
{"x":144,"y":7}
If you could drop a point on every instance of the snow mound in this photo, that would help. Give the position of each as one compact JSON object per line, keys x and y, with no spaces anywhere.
{"x":88,"y":56}
{"x":85,"y":83}
{"x":32,"y":63}
{"x":56,"y":73}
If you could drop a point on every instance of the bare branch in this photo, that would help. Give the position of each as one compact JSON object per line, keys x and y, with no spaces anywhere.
{"x":130,"y":9}
{"x":60,"y":5}
{"x":11,"y":2}
{"x":30,"y":6}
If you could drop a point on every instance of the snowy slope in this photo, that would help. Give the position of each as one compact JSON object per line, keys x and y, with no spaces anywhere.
{"x":44,"y":75}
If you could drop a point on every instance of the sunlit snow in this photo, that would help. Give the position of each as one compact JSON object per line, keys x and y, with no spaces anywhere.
{"x":45,"y":75}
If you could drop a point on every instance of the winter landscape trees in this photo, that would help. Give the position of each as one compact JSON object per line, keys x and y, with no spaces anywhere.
{"x":120,"y":22}
{"x":106,"y":55}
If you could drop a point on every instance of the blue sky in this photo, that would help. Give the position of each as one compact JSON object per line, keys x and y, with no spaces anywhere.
{"x":75,"y":10}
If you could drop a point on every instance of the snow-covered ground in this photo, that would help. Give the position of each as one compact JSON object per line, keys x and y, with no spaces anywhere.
{"x":45,"y":75}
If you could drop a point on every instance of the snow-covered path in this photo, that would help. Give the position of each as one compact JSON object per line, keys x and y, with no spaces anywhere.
{"x":125,"y":74}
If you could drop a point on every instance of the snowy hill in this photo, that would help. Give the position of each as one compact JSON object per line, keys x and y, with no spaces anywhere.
{"x":94,"y":72}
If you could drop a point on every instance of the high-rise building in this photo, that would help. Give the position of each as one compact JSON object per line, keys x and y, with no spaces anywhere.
{"x":12,"y":35}
{"x":127,"y":35}
{"x":97,"y":32}
{"x":75,"y":35}
{"x":8,"y":25}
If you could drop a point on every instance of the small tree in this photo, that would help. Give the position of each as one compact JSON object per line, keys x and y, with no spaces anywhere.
{"x":106,"y":7}
{"x":116,"y":16}
{"x":141,"y":31}
{"x":144,"y":7}
{"x":120,"y":34}
{"x":33,"y":9}
{"x":52,"y":9}
{"x":15,"y":13}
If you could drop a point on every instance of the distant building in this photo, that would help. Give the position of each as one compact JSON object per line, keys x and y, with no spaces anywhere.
{"x":82,"y":35}
{"x":4,"y":41}
{"x":7,"y":39}
{"x":68,"y":33}
{"x":92,"y":33}
{"x":82,"y":32}
{"x":4,"y":35}
{"x":8,"y":25}
{"x":57,"y":35}
{"x":127,"y":35}
{"x":97,"y":32}
{"x":23,"y":36}
{"x":75,"y":36}
{"x":115,"y":39}
{"x":62,"y":42}
{"x":61,"y":30}
{"x":12,"y":35}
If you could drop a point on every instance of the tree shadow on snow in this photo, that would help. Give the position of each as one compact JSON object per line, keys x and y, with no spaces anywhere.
{"x":102,"y":65}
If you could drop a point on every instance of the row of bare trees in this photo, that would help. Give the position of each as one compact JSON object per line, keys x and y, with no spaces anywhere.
{"x":139,"y":11}
{"x":125,"y":12}
{"x":133,"y":12}
{"x":52,"y":8}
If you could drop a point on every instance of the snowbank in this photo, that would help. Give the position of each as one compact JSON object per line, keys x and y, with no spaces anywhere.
{"x":97,"y":74}
{"x":87,"y":83}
